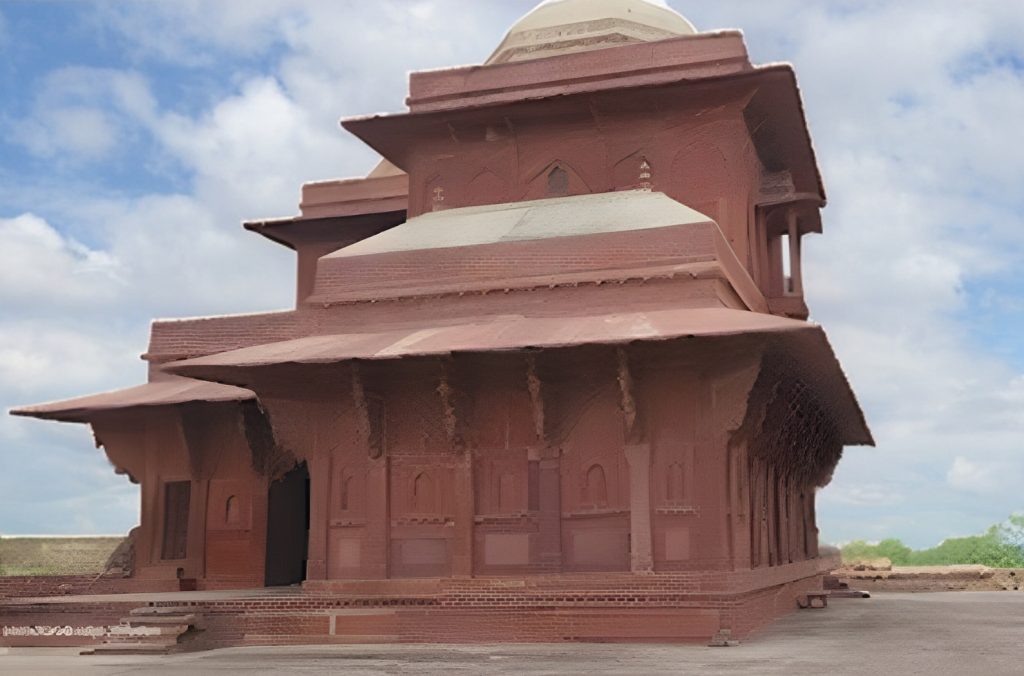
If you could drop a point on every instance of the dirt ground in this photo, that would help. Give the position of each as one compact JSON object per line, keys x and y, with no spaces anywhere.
{"x":933,"y":579}
{"x":960,"y":634}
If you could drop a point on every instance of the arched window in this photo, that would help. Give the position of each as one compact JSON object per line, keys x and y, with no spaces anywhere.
{"x":347,"y":484}
{"x":595,"y":493}
{"x":558,"y":182}
{"x":507,"y":493}
{"x":423,"y":493}
{"x":232,"y":514}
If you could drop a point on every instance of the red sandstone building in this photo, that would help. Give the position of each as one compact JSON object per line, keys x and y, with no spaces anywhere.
{"x":549,"y":370}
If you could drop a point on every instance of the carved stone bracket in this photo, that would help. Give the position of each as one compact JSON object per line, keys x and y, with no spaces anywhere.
{"x":787,"y":427}
{"x":269,"y":458}
{"x":533,"y":383}
{"x":456,"y":439}
{"x":731,"y":397}
{"x":369,"y":414}
{"x":632,"y":425}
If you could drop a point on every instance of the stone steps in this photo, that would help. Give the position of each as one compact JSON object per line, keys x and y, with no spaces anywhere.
{"x":149,"y":630}
{"x":135,"y":648}
{"x":137,"y":621}
{"x":320,"y":639}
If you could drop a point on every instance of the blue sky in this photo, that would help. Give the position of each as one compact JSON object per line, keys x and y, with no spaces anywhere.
{"x":135,"y":136}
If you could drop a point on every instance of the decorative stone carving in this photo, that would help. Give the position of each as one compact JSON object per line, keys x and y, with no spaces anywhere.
{"x":645,"y":175}
{"x":536,"y":398}
{"x":633,"y":429}
{"x":369,"y":414}
{"x":448,"y":409}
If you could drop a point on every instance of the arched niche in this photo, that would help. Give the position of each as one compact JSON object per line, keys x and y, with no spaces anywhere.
{"x":633,"y":172}
{"x":595,"y":487}
{"x":555,"y":179}
{"x":424,"y":497}
{"x":349,"y":491}
{"x":232,"y":511}
{"x":486,"y":188}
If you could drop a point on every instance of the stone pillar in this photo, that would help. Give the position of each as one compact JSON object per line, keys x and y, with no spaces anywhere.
{"x":369,"y":415}
{"x":545,"y":461}
{"x":796,"y":274}
{"x":812,"y":525}
{"x":641,"y":551}
{"x":782,"y":508}
{"x":739,"y":506}
{"x":197,"y":528}
{"x":376,"y":545}
{"x":319,"y":515}
{"x":549,"y":517}
{"x":152,"y":510}
{"x":465,"y":512}
{"x":465,"y":501}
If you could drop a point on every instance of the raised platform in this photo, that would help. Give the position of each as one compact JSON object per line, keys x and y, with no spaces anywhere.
{"x":604,"y":607}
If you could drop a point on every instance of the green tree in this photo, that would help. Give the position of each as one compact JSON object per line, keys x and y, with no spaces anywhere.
{"x":1001,"y":546}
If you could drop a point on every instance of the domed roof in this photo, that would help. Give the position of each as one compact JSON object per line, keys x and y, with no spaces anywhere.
{"x":563,"y":26}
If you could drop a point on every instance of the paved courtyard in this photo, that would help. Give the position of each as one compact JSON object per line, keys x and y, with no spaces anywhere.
{"x":961,"y":633}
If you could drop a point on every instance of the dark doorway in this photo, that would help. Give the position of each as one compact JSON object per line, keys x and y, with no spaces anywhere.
{"x":288,"y":528}
{"x":177,"y":496}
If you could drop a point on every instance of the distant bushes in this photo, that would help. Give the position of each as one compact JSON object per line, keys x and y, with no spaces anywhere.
{"x":1001,"y":546}
{"x":55,"y":555}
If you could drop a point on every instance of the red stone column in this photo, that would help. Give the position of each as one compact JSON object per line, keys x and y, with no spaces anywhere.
{"x":197,"y":528}
{"x":319,"y":515}
{"x":376,"y":544}
{"x":641,"y":553}
{"x":796,"y":274}
{"x":739,"y":506}
{"x":152,"y":513}
{"x":549,"y":517}
{"x":465,"y":513}
{"x":812,"y":525}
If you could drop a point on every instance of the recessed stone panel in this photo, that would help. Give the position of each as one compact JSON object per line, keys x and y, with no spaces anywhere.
{"x":507,"y":550}
{"x":677,"y":544}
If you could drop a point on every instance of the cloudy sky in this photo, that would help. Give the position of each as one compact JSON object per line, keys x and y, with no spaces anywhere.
{"x":135,"y":136}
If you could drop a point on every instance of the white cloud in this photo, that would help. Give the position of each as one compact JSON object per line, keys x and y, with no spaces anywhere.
{"x":197,"y":33}
{"x":40,"y":267}
{"x":252,"y":150}
{"x":867,"y":494}
{"x":83,"y":113}
{"x":86,"y":132}
{"x":971,"y":476}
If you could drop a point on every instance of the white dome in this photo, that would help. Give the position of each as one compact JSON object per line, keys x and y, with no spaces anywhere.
{"x":563,"y":26}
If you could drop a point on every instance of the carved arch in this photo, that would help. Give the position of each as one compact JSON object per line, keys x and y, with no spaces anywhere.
{"x":595,"y":487}
{"x":629,"y":172}
{"x":232,"y":511}
{"x":424,"y":498}
{"x":557,"y":175}
{"x":486,"y":188}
